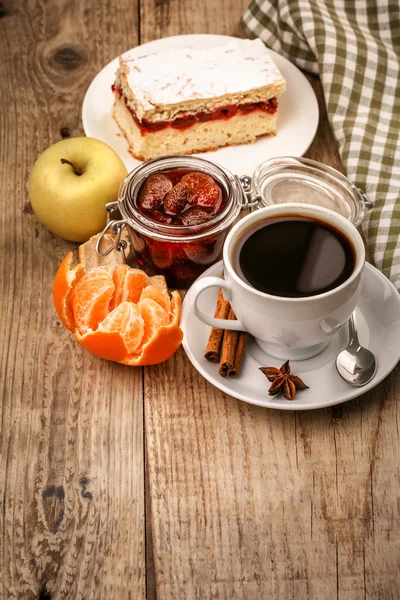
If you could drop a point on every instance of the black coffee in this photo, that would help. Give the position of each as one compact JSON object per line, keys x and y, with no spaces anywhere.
{"x":294,"y":257}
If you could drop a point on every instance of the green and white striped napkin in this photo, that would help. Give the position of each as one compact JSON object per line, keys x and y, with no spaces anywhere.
{"x":354,"y":46}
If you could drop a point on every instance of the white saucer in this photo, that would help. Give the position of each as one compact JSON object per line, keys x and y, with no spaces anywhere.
{"x":378,"y":321}
{"x":297,"y":122}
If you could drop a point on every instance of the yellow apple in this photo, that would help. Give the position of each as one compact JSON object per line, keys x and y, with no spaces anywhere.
{"x":70,"y":184}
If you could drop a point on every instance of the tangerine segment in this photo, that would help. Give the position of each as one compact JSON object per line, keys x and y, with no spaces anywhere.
{"x":90,"y":298}
{"x":62,"y":287}
{"x":127,"y":320}
{"x":154,"y":317}
{"x":175,"y":311}
{"x":165,"y":343}
{"x":118,"y":279}
{"x":129,"y":284}
{"x":158,"y":280}
{"x":135,"y":281}
{"x":158,"y":294}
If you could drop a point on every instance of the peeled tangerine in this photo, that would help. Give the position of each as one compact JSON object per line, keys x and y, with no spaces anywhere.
{"x":118,"y":313}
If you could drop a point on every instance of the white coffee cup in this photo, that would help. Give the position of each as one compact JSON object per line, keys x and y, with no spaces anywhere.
{"x":286,"y":328}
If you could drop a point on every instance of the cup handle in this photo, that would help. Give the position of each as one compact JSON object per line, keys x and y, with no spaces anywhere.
{"x":203,"y":284}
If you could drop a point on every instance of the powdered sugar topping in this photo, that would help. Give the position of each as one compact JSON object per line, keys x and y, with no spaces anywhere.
{"x":182,"y":74}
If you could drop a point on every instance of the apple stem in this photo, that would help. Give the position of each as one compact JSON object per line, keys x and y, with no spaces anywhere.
{"x":75,"y":168}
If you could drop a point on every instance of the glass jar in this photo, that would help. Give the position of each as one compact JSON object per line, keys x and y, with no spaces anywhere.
{"x":179,"y":252}
{"x":301,"y":180}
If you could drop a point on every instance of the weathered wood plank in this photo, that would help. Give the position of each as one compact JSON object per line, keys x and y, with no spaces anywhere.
{"x":71,"y":470}
{"x":169,"y":17}
{"x":250,"y":503}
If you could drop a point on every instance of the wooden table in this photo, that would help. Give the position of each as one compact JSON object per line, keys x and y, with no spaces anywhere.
{"x":121,"y":482}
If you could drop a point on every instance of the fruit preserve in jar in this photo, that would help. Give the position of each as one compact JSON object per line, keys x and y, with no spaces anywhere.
{"x":178,"y":210}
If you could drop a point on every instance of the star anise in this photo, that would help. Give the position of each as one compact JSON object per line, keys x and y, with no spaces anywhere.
{"x":282,"y":380}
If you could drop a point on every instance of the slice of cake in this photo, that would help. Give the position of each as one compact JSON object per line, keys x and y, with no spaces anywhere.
{"x":187,"y":100}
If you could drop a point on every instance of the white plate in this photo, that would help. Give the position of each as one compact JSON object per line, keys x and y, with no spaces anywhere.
{"x":297,"y":121}
{"x":378,"y":321}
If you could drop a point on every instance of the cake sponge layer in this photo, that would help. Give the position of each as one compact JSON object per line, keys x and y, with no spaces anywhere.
{"x":200,"y":137}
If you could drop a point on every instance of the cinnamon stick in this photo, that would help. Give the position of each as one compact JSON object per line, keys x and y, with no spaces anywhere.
{"x":213,"y":349}
{"x":224,"y":346}
{"x":239,"y":354}
{"x":228,"y":350}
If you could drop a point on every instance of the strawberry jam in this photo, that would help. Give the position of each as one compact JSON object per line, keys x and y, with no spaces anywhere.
{"x":187,"y":200}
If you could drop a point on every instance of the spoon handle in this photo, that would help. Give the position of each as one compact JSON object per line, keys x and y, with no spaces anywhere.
{"x":353,"y":330}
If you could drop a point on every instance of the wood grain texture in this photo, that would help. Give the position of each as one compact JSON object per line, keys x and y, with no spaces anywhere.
{"x":163,"y":18}
{"x":253,"y":504}
{"x":71,"y":469}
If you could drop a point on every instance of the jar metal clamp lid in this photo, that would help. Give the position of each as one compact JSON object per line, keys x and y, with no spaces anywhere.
{"x":301,"y":180}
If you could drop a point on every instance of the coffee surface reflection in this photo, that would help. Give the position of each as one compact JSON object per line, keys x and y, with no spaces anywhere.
{"x":294,"y":257}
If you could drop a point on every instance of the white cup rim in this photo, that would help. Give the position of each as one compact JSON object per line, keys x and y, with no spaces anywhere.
{"x":331,"y":217}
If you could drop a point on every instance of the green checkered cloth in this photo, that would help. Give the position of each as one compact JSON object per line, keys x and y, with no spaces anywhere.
{"x":354,"y":46}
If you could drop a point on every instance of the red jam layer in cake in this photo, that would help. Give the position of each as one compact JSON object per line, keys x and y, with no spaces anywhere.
{"x":224,"y":113}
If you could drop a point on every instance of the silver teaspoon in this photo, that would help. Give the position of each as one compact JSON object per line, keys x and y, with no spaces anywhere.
{"x":355,"y":364}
